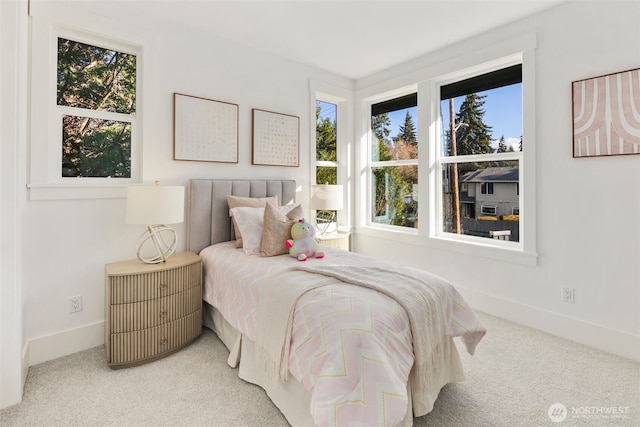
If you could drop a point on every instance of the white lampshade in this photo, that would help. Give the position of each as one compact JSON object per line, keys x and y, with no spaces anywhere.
{"x":155,"y":204}
{"x":326,"y":197}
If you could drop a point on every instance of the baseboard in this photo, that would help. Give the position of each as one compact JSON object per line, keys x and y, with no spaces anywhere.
{"x":63,"y":343}
{"x":610,"y":340}
{"x":621,"y":343}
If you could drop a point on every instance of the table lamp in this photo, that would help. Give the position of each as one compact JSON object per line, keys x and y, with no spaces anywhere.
{"x":156,"y":206}
{"x":326,"y":197}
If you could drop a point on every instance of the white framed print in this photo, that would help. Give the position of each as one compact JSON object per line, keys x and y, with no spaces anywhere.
{"x":276,"y":139}
{"x":205,"y":130}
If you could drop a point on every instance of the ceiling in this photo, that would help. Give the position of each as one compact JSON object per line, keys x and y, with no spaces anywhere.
{"x":350,"y":38}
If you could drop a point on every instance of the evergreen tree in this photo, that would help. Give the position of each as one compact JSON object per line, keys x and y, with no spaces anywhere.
{"x":407,"y":132}
{"x":475,"y":136}
{"x":502,"y":146}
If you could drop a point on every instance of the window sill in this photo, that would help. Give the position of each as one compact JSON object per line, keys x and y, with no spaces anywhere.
{"x":505,"y":253}
{"x":76,"y":191}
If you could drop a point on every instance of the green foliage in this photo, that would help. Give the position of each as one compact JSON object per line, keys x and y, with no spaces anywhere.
{"x":475,"y":136}
{"x":326,"y":175}
{"x":502,"y":146}
{"x":103,"y":149}
{"x":326,"y":139}
{"x":96,"y":78}
{"x":99,"y":79}
{"x":392,"y":183}
{"x":326,"y":148}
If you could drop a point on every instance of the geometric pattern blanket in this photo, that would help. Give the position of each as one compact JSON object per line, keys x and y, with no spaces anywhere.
{"x":346,"y":328}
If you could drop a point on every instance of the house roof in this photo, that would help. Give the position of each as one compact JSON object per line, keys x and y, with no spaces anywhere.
{"x":492,"y":174}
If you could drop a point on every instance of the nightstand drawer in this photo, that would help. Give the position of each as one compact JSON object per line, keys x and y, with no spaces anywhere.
{"x":147,"y":344}
{"x":147,"y":314}
{"x":154,"y":284}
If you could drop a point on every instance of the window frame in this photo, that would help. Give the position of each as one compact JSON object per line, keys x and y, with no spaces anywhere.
{"x":486,"y":188}
{"x":343,"y":100}
{"x":371,"y":164}
{"x":327,"y":163}
{"x":493,"y":208}
{"x":60,"y":111}
{"x":499,"y":55}
{"x":45,"y":158}
{"x":441,"y":158}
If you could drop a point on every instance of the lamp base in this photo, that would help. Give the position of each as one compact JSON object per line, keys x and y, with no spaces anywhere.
{"x":323,"y":223}
{"x":155,"y":234}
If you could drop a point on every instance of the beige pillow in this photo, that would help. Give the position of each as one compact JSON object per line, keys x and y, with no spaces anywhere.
{"x":276,"y":229}
{"x":248,"y":202}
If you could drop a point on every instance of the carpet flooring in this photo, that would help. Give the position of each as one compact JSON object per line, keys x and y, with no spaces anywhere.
{"x":515,"y":378}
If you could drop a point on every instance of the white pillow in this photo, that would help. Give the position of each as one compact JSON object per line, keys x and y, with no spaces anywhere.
{"x":250,"y":223}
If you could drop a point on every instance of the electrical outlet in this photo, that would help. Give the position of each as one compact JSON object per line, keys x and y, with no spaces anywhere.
{"x":75,"y":304}
{"x":567,"y":294}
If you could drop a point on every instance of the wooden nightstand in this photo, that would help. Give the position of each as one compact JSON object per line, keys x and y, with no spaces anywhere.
{"x":152,"y":310}
{"x":335,"y":240}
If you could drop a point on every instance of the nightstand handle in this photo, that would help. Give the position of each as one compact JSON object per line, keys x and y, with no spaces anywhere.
{"x":163,"y":286}
{"x":163,"y":341}
{"x":163,"y":313}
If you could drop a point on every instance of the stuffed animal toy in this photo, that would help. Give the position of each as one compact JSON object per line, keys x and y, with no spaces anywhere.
{"x":303,"y":245}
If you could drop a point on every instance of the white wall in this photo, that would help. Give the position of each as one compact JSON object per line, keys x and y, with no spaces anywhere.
{"x":588,"y":209}
{"x":13,"y":368}
{"x":588,"y":232}
{"x":67,"y":242}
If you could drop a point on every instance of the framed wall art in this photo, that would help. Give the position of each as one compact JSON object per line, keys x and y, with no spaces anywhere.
{"x":276,"y":139}
{"x":204,"y":129}
{"x":606,"y":115}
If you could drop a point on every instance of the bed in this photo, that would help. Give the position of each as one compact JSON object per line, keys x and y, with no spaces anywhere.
{"x":341,"y":340}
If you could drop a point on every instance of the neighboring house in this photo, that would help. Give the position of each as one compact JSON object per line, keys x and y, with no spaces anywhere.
{"x":492,"y":191}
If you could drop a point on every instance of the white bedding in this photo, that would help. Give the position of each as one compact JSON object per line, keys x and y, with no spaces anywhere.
{"x":351,"y":347}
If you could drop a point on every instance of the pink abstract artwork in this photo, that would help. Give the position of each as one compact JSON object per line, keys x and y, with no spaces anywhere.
{"x":606,"y":115}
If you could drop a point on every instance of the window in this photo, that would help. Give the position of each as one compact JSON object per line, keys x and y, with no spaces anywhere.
{"x":86,"y":103}
{"x":330,"y":158}
{"x":96,"y":99}
{"x":481,"y":144}
{"x":486,"y":188}
{"x":394,"y":162}
{"x":472,"y":123}
{"x":488,"y":210}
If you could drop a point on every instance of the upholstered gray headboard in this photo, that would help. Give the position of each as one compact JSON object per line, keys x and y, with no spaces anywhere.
{"x":208,"y":219}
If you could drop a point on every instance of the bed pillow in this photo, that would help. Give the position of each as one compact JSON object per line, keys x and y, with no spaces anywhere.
{"x":249,"y":202}
{"x":276,"y":229}
{"x":250,"y":221}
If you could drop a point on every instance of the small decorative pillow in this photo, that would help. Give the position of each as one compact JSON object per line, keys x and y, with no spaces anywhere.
{"x":249,"y":222}
{"x":249,"y":202}
{"x":276,"y":229}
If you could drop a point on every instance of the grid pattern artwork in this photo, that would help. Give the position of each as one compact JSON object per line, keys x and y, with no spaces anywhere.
{"x":275,"y":139}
